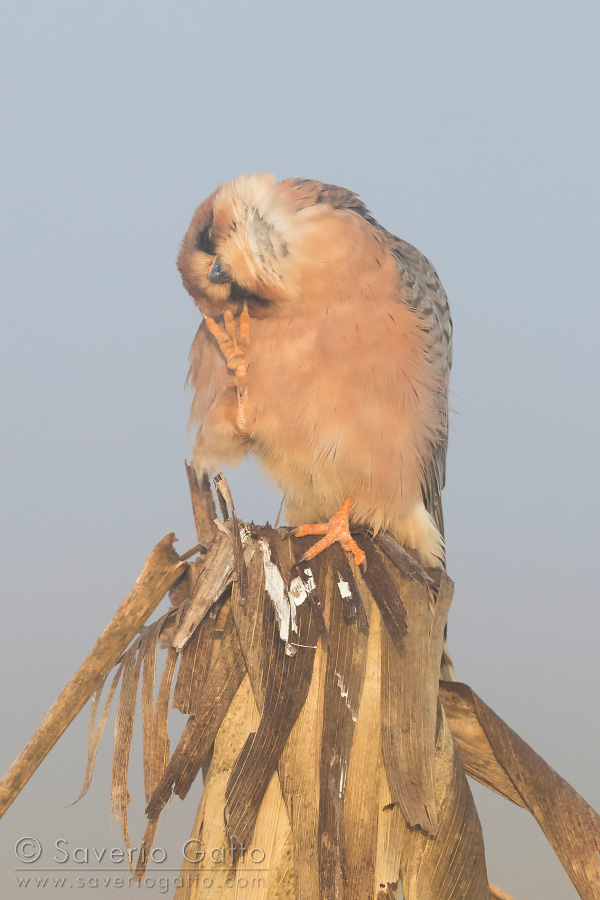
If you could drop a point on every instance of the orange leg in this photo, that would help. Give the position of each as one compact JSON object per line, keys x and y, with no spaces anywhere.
{"x":337,"y":529}
{"x":235,"y":347}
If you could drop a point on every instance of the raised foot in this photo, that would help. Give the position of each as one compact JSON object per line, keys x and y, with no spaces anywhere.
{"x":234,"y":343}
{"x":337,"y":529}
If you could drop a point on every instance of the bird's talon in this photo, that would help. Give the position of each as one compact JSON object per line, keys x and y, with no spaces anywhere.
{"x":337,"y":529}
{"x":234,"y":342}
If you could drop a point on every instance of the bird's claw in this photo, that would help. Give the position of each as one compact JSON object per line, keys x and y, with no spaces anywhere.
{"x":337,"y":529}
{"x":234,"y":342}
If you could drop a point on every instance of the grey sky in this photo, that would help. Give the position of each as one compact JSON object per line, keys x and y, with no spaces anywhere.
{"x":470,"y":130}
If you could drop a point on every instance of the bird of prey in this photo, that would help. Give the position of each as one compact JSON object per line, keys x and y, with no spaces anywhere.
{"x":326,"y":351}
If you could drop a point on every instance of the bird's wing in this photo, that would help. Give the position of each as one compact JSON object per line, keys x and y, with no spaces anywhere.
{"x":423,"y":292}
{"x":315,"y":192}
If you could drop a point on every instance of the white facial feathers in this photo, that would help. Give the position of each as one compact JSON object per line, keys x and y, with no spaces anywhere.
{"x":252,"y":217}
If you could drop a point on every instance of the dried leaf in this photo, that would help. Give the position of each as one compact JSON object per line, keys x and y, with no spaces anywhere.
{"x":95,"y":735}
{"x":156,"y":737}
{"x":285,"y":682}
{"x":346,"y":661}
{"x":162,"y":568}
{"x":182,"y":589}
{"x":390,"y":830}
{"x":208,"y":831}
{"x":119,"y":795}
{"x":409,"y":689}
{"x":497,"y":894}
{"x":472,"y":743}
{"x":354,"y":608}
{"x":365,"y":773}
{"x":299,"y":778}
{"x":224,"y":491}
{"x":148,"y":676}
{"x":215,"y":575}
{"x":188,"y":695}
{"x":145,"y":850}
{"x":159,"y":751}
{"x":200,"y":731}
{"x":450,"y":866}
{"x":493,"y":753}
{"x":222,"y":494}
{"x":143,"y":651}
{"x":203,"y":505}
{"x":385,"y":593}
{"x":404,"y":563}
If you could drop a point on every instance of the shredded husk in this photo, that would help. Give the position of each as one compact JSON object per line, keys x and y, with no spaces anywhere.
{"x":315,"y":710}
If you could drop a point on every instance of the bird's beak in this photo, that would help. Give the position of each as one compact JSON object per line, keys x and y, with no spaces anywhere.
{"x":218,"y":273}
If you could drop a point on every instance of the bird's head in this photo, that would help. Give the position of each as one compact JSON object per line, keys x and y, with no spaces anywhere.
{"x":264,"y":242}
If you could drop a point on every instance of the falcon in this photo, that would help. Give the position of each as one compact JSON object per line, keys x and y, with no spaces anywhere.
{"x":326,"y":351}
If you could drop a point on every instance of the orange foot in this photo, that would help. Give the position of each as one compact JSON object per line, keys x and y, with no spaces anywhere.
{"x":337,"y":529}
{"x":235,"y":347}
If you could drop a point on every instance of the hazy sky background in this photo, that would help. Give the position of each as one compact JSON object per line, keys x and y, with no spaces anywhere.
{"x":470,"y":130}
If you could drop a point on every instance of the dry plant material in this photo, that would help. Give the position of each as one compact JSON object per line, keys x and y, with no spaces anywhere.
{"x":409,"y":703}
{"x":182,"y":589}
{"x":450,"y":866}
{"x":95,"y":732}
{"x":284,"y":681}
{"x":334,"y":658}
{"x":314,"y":708}
{"x":226,"y":501}
{"x":203,"y":505}
{"x":365,"y":772}
{"x":405,"y":564}
{"x":199,"y":734}
{"x":138,"y":661}
{"x":299,"y":778}
{"x":188,"y":696}
{"x":216,"y":574}
{"x":351,"y":597}
{"x":344,"y":676}
{"x":162,"y":569}
{"x":500,"y":759}
{"x":497,"y":894}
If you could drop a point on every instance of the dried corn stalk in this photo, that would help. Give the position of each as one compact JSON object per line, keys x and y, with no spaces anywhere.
{"x":334,"y":759}
{"x":329,"y":753}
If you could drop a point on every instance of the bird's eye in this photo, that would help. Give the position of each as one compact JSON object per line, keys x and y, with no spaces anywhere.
{"x":218,"y":273}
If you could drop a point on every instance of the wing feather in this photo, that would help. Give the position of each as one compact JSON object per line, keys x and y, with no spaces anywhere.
{"x":422,"y":290}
